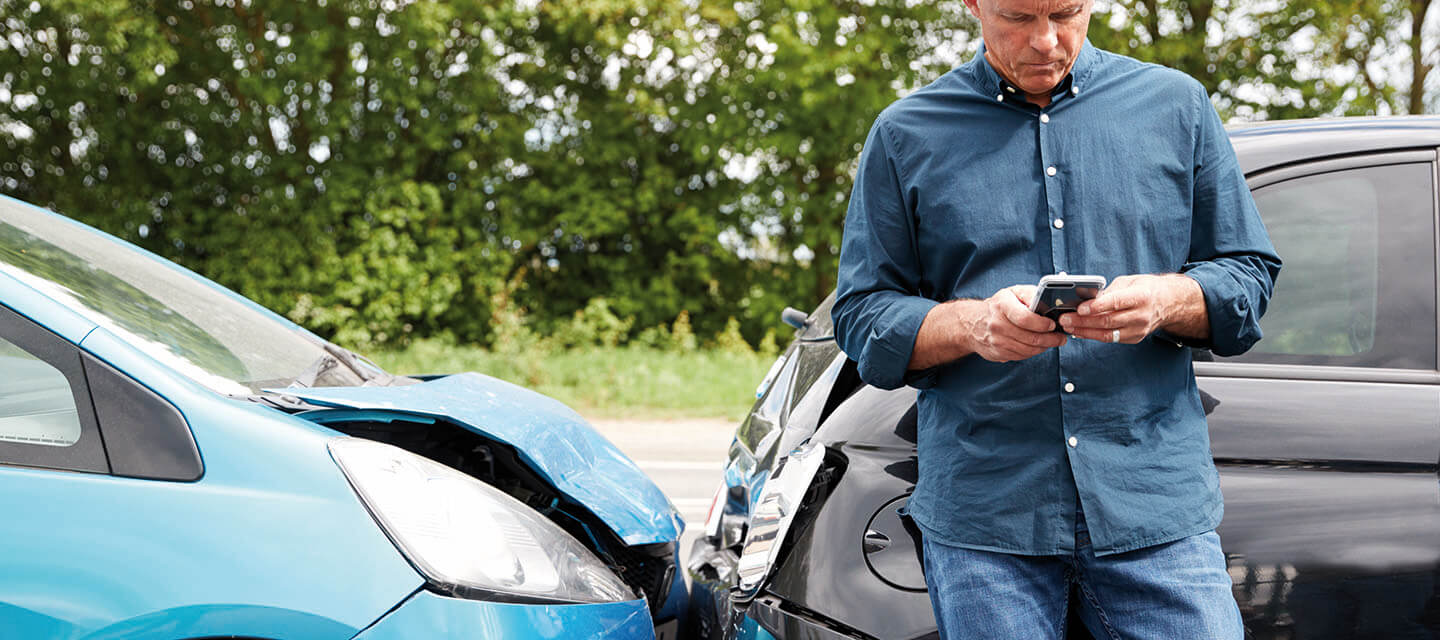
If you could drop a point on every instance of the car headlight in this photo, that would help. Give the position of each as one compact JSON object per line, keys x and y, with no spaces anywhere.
{"x":468,"y":538}
{"x":774,"y":512}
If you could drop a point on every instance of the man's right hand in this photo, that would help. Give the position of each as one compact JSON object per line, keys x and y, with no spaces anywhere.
{"x":1004,"y":329}
{"x":1000,"y":328}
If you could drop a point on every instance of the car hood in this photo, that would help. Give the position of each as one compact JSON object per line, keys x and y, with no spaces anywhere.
{"x":549,"y":436}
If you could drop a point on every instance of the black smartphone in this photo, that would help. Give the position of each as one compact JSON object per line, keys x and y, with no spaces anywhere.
{"x":1061,"y":294}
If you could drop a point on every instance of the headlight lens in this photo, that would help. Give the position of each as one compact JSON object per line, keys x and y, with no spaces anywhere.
{"x":468,"y":537}
{"x":774,"y":512}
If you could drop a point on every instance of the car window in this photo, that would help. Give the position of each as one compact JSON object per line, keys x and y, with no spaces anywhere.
{"x":176,"y":317}
{"x":36,"y":404}
{"x":1358,"y":283}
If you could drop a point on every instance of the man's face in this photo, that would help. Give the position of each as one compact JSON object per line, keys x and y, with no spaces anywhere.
{"x":1032,"y":43}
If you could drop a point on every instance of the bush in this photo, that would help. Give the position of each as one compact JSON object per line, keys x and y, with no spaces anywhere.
{"x":731,"y":341}
{"x":626,"y":381}
{"x":596,"y":324}
{"x":393,"y":267}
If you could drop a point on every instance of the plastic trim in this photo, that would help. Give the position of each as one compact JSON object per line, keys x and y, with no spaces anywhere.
{"x":148,"y":437}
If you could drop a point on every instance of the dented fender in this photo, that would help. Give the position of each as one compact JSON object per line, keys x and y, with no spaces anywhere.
{"x":550,"y":437}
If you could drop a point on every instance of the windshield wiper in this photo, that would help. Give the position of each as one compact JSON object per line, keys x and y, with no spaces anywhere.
{"x":283,"y":402}
{"x":370,"y":374}
{"x":306,"y":379}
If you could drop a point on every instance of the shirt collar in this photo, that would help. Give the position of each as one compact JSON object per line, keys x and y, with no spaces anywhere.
{"x":994,"y":85}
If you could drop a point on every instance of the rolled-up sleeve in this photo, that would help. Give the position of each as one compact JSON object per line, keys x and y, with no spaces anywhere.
{"x":1231,"y":256}
{"x":878,"y":308}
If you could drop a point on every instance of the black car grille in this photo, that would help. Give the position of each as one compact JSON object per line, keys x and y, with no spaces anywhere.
{"x":648,"y":568}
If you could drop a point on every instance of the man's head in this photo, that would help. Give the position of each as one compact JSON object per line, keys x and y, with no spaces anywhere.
{"x":1033,"y":43}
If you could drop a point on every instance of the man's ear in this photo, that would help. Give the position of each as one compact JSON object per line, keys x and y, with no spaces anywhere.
{"x":974,"y":6}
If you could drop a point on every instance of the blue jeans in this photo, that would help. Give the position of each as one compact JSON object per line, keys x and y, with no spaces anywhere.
{"x":1169,"y":591}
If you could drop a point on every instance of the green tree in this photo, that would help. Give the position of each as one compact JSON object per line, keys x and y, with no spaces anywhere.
{"x":1373,"y":41}
{"x":1424,"y":45}
{"x":248,"y":142}
{"x":607,"y":196}
{"x":378,"y":170}
{"x":1301,"y":58}
{"x":792,"y":87}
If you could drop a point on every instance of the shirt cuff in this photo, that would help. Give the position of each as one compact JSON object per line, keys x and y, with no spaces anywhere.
{"x":885,"y":361}
{"x":1234,"y":326}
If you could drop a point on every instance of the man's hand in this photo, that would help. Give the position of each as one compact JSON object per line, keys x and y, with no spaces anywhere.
{"x":1008,"y":331}
{"x":1133,"y":307}
{"x":1000,"y":328}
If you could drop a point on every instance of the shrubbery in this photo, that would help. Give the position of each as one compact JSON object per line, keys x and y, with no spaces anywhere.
{"x":587,"y":362}
{"x":381,"y":172}
{"x":644,"y":172}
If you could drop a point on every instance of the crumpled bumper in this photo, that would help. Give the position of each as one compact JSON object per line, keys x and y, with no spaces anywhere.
{"x":712,"y":571}
{"x":429,"y":615}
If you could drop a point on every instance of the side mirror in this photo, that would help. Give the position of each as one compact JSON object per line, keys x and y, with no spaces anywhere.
{"x":795,"y":318}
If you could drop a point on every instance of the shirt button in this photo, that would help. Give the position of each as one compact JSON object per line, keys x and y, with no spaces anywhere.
{"x":1069,"y":387}
{"x":1049,"y":171}
{"x":1059,"y":224}
{"x":1000,"y":97}
{"x":1073,"y":441}
{"x":1044,"y":117}
{"x":1074,"y":91}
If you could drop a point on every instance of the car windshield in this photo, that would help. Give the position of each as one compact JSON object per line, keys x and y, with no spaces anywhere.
{"x":173,"y":315}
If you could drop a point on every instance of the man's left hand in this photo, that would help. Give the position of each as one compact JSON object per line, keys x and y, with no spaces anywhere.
{"x":1133,"y":307}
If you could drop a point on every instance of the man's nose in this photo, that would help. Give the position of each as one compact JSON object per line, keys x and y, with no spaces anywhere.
{"x":1044,"y":39}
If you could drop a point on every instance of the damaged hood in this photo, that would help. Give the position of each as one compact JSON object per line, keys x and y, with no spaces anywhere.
{"x":554,"y":440}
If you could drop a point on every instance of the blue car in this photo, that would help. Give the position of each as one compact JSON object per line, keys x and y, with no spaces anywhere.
{"x":178,"y":462}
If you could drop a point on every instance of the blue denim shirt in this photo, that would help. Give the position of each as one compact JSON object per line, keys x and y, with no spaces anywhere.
{"x":963,"y":189}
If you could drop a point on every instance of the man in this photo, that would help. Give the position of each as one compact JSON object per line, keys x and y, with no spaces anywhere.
{"x":1078,"y":458}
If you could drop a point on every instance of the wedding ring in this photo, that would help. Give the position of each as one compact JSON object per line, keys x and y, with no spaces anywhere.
{"x":1115,"y":335}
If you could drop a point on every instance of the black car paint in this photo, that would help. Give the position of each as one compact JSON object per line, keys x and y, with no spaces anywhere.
{"x":1332,"y":526}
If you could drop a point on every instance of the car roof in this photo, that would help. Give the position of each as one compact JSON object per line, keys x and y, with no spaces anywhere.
{"x":1267,"y":145}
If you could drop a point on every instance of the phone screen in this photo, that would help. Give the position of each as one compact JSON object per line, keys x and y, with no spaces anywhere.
{"x":1057,"y":298}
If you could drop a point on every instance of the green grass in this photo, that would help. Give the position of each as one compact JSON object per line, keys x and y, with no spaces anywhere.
{"x":616,"y":382}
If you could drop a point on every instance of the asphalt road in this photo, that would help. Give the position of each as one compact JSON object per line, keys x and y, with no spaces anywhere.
{"x":684,"y":457}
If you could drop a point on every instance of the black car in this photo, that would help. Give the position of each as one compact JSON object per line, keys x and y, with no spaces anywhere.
{"x":1326,"y":434}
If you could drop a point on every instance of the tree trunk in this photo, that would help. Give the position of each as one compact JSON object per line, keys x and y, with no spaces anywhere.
{"x":1418,"y":69}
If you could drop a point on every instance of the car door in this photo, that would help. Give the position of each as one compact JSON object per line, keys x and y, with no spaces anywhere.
{"x":1326,"y":432}
{"x":48,"y":432}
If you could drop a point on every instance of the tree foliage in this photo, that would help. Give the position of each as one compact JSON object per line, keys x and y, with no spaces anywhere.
{"x":1294,"y":59}
{"x":381,"y":169}
{"x":795,"y":89}
{"x":295,"y":152}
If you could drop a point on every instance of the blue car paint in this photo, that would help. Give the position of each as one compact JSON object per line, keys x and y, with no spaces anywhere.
{"x":144,"y":556}
{"x":211,"y":620}
{"x":751,"y":630}
{"x":263,"y":545}
{"x":31,"y":303}
{"x":271,"y":531}
{"x":428,"y":615}
{"x":272,"y":524}
{"x":553,"y":439}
